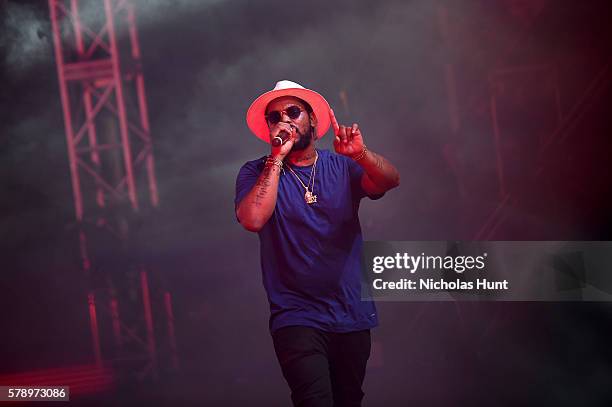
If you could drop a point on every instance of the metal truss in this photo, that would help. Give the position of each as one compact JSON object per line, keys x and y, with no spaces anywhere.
{"x":111,"y":159}
{"x":564,"y":124}
{"x":503,"y":75}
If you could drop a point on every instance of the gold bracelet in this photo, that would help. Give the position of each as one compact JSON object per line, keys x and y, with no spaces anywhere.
{"x":361,"y":155}
{"x":274,"y":161}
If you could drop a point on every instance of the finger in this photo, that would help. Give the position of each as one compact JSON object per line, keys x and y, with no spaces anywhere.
{"x":343,"y":134}
{"x":293,"y":134}
{"x":280,"y":127}
{"x":351,"y":131}
{"x":286,"y":146}
{"x":335,"y":125}
{"x":285,"y":126}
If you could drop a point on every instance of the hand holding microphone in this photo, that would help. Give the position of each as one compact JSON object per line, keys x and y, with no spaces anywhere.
{"x":282,"y":138}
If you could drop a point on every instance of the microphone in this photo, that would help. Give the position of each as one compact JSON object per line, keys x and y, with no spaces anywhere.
{"x":281,"y":138}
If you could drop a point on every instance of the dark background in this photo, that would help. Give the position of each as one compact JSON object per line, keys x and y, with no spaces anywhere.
{"x":204,"y":62}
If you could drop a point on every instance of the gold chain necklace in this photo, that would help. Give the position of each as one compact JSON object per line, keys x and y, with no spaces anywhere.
{"x":309,"y":195}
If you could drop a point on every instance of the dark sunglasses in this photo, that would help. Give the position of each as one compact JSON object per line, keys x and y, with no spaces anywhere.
{"x":275,"y":116}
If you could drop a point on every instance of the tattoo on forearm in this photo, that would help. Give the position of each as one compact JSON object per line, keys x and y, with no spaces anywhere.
{"x":262,"y":185}
{"x":382,"y":173}
{"x":378,"y":160}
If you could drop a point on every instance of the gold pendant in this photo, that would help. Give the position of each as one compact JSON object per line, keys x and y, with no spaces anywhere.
{"x":309,"y":197}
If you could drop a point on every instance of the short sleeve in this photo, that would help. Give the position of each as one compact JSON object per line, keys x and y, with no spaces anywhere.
{"x":245,"y":181}
{"x":356,"y":173}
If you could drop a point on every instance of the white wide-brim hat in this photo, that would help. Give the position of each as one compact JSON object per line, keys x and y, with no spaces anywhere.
{"x":256,"y":115}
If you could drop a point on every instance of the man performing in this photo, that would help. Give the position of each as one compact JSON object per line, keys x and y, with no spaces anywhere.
{"x":303,"y":202}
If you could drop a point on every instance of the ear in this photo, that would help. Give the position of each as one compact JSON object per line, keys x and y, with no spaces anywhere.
{"x":313,"y":119}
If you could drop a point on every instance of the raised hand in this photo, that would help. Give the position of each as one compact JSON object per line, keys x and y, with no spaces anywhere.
{"x":348,"y":140}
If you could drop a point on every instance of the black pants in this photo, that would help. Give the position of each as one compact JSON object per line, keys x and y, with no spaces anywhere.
{"x":323,"y":369}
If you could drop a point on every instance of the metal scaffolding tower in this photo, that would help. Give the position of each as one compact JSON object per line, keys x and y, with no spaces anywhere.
{"x":112,"y":170}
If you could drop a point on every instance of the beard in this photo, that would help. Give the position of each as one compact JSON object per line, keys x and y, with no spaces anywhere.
{"x":304,"y":140}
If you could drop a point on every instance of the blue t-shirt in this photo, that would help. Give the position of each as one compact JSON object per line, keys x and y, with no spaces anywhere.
{"x":311,"y":253}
